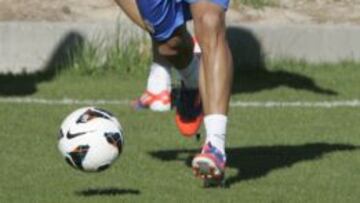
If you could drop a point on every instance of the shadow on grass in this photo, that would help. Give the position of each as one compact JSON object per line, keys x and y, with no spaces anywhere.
{"x":107,"y":192}
{"x":251,"y":73}
{"x":257,"y":80}
{"x":257,"y":161}
{"x":62,"y":57}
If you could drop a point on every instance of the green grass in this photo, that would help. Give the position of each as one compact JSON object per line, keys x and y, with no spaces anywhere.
{"x":274,"y":154}
{"x":88,"y":59}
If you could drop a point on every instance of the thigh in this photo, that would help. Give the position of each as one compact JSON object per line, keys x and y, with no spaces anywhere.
{"x":162,"y":17}
{"x":222,"y":3}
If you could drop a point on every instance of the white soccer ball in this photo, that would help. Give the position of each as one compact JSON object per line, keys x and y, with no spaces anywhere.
{"x":90,"y":139}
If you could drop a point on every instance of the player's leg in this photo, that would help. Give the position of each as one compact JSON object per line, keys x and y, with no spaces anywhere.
{"x":178,"y":50}
{"x":209,"y":20}
{"x":216,"y":81}
{"x":157,"y":95}
{"x":158,"y":90}
{"x":166,"y":23}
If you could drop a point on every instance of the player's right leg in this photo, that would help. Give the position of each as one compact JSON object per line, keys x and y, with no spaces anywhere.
{"x":216,"y":78}
{"x":157,"y":95}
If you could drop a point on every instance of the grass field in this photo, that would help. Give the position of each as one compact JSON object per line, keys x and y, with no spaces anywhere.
{"x":275,"y":154}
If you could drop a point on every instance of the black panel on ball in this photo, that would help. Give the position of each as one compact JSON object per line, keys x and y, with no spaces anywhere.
{"x":78,"y":155}
{"x":105,"y":111}
{"x":103,"y":168}
{"x":91,"y":114}
{"x":61,"y":134}
{"x":67,"y":159}
{"x":114,"y":138}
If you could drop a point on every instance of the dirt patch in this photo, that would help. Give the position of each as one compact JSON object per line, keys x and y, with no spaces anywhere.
{"x":283,"y":11}
{"x":57,"y":10}
{"x":303,"y":11}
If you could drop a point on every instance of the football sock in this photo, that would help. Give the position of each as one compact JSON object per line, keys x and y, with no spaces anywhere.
{"x":159,"y":79}
{"x":215,"y":125}
{"x":190,"y":74}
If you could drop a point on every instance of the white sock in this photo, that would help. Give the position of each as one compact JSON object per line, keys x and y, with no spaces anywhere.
{"x":215,"y":125}
{"x":190,"y":74}
{"x":159,"y":79}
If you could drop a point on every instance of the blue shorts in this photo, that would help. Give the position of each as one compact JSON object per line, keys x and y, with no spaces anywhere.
{"x":162,"y":17}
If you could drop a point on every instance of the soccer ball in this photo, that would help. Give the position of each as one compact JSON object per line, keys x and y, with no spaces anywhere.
{"x":90,"y":139}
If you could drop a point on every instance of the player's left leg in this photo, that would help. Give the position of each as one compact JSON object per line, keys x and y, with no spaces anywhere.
{"x":157,"y":95}
{"x":215,"y":86}
{"x":172,"y":44}
{"x":179,"y":51}
{"x":176,"y":51}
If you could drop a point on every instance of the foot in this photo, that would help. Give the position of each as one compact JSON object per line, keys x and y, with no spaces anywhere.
{"x":210,"y":165}
{"x":155,"y":102}
{"x":189,"y":114}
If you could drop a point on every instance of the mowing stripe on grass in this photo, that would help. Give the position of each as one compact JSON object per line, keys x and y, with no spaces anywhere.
{"x":237,"y":104}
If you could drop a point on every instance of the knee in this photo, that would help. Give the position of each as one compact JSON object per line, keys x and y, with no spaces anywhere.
{"x":177,"y":44}
{"x":170,"y":47}
{"x":209,"y":26}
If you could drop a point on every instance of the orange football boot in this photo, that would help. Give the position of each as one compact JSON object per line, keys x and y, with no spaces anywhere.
{"x":189,"y":112}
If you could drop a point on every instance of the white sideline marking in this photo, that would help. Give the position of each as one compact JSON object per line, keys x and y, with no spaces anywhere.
{"x":303,"y":104}
{"x":239,"y":104}
{"x":28,"y":100}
